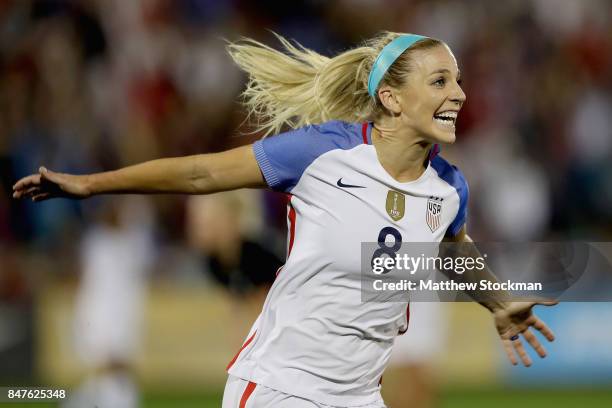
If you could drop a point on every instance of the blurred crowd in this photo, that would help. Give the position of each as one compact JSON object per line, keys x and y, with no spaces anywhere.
{"x":90,"y":85}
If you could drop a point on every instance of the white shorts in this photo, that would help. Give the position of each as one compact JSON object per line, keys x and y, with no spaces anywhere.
{"x":240,"y":393}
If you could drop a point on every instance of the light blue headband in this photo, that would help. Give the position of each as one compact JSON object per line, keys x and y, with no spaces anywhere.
{"x":387,"y":57}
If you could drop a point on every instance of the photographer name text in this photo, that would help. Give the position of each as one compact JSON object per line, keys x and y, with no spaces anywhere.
{"x":407,"y":285}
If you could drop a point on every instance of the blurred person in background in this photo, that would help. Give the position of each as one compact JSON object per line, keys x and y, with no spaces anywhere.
{"x":116,"y":254}
{"x":223,"y":229}
{"x":315,"y":342}
{"x":410,"y":379}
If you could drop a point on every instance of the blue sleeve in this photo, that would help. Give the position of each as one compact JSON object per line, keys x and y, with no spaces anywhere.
{"x":284,"y":158}
{"x":453,"y":176}
{"x":460,"y":219}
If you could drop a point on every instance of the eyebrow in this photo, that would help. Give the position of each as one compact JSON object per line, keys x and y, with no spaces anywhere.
{"x":446,"y":71}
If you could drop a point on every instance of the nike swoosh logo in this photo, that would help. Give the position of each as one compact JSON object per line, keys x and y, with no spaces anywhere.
{"x":341,"y":184}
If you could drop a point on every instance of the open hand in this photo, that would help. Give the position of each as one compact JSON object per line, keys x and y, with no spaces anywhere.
{"x":48,"y":184}
{"x":515,"y":320}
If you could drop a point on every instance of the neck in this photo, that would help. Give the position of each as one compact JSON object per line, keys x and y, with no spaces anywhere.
{"x":402,"y":153}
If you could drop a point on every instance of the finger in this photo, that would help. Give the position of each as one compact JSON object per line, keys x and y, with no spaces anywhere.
{"x":33,"y":179}
{"x":535,"y":343}
{"x":41,"y":197}
{"x":25,"y":193}
{"x":50,"y":175}
{"x":520,"y":350}
{"x":510,"y":351}
{"x":544,"y":329}
{"x":31,"y":191}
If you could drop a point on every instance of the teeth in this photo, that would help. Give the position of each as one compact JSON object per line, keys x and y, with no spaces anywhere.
{"x":449,"y":114}
{"x":447,"y":118}
{"x":446,"y":122}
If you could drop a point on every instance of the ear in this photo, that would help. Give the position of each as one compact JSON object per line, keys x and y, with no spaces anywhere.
{"x":389,"y":99}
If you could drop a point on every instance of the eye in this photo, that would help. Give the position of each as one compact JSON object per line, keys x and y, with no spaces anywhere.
{"x":439,"y":83}
{"x":459,"y":81}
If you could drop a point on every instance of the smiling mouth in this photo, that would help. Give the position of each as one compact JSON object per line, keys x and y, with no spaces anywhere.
{"x":446,"y":119}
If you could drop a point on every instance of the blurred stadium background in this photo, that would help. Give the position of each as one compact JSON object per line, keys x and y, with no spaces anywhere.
{"x":93,"y":85}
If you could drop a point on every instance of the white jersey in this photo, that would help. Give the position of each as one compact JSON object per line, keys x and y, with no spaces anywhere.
{"x":315,"y":338}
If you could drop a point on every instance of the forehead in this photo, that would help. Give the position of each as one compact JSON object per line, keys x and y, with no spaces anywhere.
{"x":427,"y":62}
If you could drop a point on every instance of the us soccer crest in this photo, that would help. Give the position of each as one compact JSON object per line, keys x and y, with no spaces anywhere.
{"x":434,"y":213}
{"x":396,"y":205}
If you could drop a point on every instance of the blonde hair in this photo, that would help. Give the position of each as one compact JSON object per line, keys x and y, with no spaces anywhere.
{"x":300,"y":87}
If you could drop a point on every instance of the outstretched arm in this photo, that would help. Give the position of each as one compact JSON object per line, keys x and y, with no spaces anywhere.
{"x":512,"y":319}
{"x":198,"y":174}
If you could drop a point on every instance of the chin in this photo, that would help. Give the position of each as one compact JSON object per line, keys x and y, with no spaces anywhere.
{"x":446,"y":137}
{"x":441,"y":134}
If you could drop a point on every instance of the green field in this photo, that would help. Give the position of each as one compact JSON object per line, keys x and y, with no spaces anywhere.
{"x":527,"y":399}
{"x":449,"y":399}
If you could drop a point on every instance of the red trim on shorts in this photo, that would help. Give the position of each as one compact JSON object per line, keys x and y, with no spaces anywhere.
{"x":247,"y":393}
{"x":231,"y":363}
{"x":291,"y":216}
{"x":407,"y":319}
{"x":364,"y":132}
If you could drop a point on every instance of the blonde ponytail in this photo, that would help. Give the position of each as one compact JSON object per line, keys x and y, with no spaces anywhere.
{"x":301,"y":87}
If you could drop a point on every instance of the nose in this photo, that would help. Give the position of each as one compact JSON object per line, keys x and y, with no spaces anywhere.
{"x":458,"y":96}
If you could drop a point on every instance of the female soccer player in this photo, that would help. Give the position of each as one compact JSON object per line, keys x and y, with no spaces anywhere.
{"x":360,"y":166}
